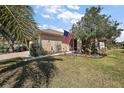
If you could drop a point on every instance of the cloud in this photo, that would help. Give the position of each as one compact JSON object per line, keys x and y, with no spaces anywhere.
{"x":69,"y":16}
{"x":36,"y":8}
{"x":53,"y":8}
{"x":74,"y":7}
{"x":60,"y":12}
{"x":121,"y":38}
{"x":45,"y":16}
{"x":50,"y":27}
{"x":48,"y":8}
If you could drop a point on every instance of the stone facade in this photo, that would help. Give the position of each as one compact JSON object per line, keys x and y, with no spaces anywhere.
{"x":51,"y":41}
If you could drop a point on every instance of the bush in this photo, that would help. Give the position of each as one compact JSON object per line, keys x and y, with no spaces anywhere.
{"x":37,"y":50}
{"x":94,"y":50}
{"x":88,"y":51}
{"x":103,"y":51}
{"x":34,"y":50}
{"x":4,"y":48}
{"x":44,"y":52}
{"x":21,"y":48}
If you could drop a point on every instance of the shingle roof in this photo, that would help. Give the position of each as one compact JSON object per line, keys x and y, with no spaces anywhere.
{"x":52,"y":32}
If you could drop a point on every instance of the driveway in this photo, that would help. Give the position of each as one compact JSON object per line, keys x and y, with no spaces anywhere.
{"x":14,"y":55}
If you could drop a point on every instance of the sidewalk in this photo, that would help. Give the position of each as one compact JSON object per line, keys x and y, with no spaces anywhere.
{"x":44,"y":56}
{"x":26,"y":56}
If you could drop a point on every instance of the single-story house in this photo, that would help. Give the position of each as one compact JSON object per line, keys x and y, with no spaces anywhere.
{"x":51,"y":41}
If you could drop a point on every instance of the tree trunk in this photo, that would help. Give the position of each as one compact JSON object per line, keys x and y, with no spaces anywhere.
{"x":85,"y":45}
{"x":96,"y":45}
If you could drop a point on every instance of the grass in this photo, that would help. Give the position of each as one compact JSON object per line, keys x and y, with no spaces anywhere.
{"x":65,"y":71}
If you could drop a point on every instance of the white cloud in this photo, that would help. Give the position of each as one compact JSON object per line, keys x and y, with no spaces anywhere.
{"x":74,"y":7}
{"x":50,"y":27}
{"x":48,"y":8}
{"x":45,"y":16}
{"x":121,"y":38}
{"x":61,"y":12}
{"x":36,"y":8}
{"x":53,"y":8}
{"x":69,"y":16}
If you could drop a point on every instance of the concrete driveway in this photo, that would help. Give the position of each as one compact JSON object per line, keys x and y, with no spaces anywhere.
{"x":14,"y":55}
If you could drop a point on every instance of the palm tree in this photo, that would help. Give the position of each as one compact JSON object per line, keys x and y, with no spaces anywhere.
{"x":17,"y":24}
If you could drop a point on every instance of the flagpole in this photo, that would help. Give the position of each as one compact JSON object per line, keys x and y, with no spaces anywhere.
{"x":73,"y":50}
{"x":67,"y":37}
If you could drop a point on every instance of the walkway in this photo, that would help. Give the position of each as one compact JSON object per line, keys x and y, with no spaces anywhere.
{"x":26,"y":56}
{"x":44,"y":56}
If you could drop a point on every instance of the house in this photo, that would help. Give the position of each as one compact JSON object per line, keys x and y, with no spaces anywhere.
{"x":51,"y":41}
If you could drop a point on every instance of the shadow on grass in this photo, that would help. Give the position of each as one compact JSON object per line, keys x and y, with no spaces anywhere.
{"x":122,"y":51}
{"x":36,"y":73}
{"x":9,"y":61}
{"x":116,"y":57}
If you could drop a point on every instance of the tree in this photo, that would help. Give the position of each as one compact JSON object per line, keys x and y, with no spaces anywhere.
{"x":17,"y":24}
{"x":112,"y":33}
{"x":95,"y":27}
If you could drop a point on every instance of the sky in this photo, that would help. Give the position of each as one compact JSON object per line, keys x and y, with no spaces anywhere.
{"x":62,"y":17}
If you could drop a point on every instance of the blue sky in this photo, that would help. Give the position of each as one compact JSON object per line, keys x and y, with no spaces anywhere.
{"x":62,"y":17}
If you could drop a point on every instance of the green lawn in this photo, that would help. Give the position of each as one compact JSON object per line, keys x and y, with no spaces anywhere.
{"x":65,"y":71}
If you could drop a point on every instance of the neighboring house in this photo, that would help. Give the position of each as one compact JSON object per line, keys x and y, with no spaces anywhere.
{"x":51,"y":41}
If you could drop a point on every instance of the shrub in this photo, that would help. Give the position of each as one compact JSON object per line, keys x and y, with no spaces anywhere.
{"x":88,"y":51}
{"x":37,"y":50}
{"x":21,"y":48}
{"x":34,"y":50}
{"x":4,"y":48}
{"x":44,"y":52}
{"x":94,"y":50}
{"x":103,"y":51}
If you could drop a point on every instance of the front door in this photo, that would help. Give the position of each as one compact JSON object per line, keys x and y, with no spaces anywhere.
{"x":74,"y":44}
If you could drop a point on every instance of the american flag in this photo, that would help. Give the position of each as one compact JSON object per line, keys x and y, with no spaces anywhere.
{"x":66,"y":37}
